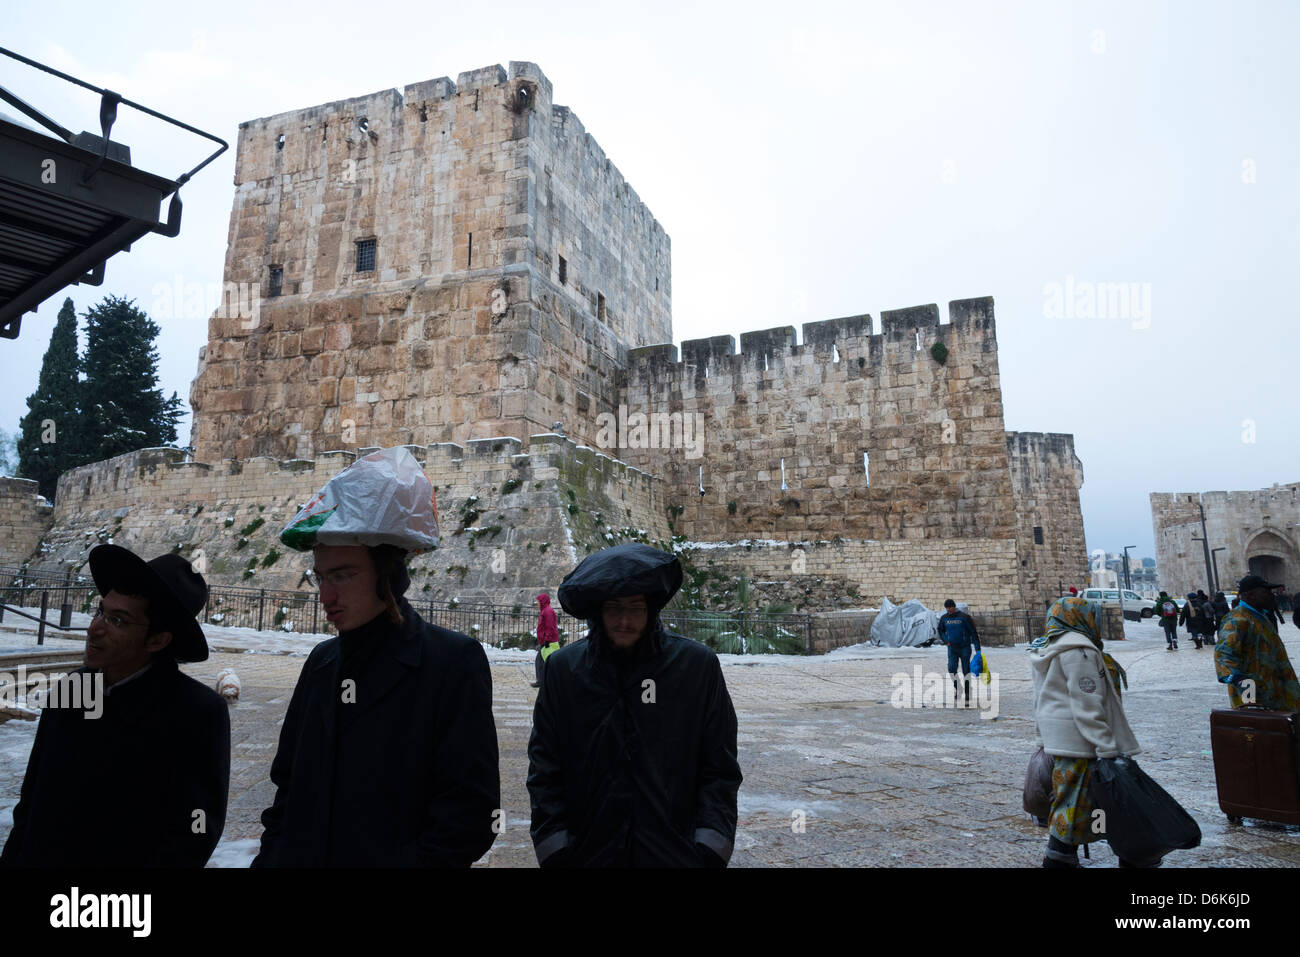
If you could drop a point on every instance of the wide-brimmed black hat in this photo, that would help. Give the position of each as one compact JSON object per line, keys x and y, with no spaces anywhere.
{"x":176,"y":592}
{"x":1254,"y":581}
{"x":631,"y":569}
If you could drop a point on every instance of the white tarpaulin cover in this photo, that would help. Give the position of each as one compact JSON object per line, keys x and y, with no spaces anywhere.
{"x":910,"y":623}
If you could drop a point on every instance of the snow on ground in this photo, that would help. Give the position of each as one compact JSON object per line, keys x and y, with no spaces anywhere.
{"x":235,"y":853}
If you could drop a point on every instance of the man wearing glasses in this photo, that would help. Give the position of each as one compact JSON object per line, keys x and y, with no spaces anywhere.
{"x":144,"y":783}
{"x":388,"y":753}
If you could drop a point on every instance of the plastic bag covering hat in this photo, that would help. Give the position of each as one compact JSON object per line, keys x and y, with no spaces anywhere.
{"x":631,"y":569}
{"x":383,"y":498}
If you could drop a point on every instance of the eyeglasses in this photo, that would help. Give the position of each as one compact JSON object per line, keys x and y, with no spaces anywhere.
{"x":115,"y":620}
{"x":338,"y":577}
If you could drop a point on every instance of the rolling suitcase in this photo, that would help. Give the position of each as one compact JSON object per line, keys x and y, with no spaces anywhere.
{"x":1256,"y":766}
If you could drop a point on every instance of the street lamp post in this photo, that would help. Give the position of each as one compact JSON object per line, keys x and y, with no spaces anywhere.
{"x":1128,"y":579}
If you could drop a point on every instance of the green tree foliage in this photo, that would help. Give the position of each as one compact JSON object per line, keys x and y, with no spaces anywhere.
{"x":49,"y":435}
{"x":122,"y":408}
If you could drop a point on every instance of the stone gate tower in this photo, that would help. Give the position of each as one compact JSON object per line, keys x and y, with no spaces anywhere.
{"x":450,"y":262}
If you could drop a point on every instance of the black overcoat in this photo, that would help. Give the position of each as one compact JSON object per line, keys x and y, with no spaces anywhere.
{"x":633,"y":764}
{"x":409,"y":778}
{"x":122,"y":790}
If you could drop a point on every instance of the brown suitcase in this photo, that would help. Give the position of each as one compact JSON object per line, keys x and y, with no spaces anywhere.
{"x":1257,"y":763}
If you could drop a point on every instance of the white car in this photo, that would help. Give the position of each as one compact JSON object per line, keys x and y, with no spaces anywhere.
{"x":1135,"y":606}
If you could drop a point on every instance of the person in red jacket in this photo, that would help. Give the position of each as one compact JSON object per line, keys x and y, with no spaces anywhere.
{"x":548,"y":634}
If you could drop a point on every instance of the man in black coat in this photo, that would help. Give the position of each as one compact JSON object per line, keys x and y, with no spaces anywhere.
{"x":388,"y":753}
{"x":632,"y":759}
{"x":143,"y":782}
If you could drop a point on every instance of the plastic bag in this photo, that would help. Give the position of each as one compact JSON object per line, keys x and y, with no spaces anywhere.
{"x":1037,"y":795}
{"x":984,"y":670}
{"x":383,"y":498}
{"x":977,"y":663}
{"x":1143,"y":823}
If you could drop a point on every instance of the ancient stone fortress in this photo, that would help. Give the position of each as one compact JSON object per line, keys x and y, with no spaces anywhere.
{"x":457,"y":267}
{"x":1258,"y":530}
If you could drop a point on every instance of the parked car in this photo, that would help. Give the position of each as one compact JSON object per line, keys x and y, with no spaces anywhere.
{"x":1135,"y":606}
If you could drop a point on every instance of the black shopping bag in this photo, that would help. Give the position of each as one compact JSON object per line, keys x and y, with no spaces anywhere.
{"x":1143,"y":823}
{"x":1037,"y":796}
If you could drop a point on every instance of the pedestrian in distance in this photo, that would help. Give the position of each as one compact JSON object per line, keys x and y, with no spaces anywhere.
{"x":1079,"y":720}
{"x":143,"y":782}
{"x":957,"y":632}
{"x":1167,"y":610}
{"x":632,"y":760}
{"x":548,"y":635}
{"x":1221,"y":609}
{"x":1193,"y":616}
{"x":1250,"y":658}
{"x":388,"y":753}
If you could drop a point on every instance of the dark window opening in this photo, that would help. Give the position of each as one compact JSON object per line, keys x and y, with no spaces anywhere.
{"x":424,"y":114}
{"x":600,"y":306}
{"x":277,"y":281}
{"x":279,"y":142}
{"x":324,"y":132}
{"x":656,"y":283}
{"x":564,"y":270}
{"x":1038,"y":534}
{"x":365,"y":255}
{"x":469,"y":256}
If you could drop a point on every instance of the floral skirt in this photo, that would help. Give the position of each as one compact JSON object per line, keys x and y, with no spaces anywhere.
{"x":1071,"y":816}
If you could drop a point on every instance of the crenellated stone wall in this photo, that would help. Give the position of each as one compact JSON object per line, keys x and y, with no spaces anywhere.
{"x":1259,"y":530}
{"x":933,"y":433}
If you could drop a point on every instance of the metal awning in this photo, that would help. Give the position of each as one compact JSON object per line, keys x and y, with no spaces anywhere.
{"x":68,"y":202}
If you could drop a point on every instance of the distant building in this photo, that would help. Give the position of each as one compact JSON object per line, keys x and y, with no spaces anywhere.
{"x":1253,"y":532}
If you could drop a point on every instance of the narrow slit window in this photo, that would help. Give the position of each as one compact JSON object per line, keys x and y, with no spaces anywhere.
{"x":365,"y":255}
{"x":600,"y":306}
{"x":564,"y":270}
{"x":835,"y":353}
{"x":279,"y":142}
{"x":764,"y":361}
{"x":1038,"y":534}
{"x":277,"y":281}
{"x":918,"y":340}
{"x":469,"y":256}
{"x":866,"y":467}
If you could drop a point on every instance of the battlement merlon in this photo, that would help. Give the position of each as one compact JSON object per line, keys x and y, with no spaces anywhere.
{"x":898,"y":331}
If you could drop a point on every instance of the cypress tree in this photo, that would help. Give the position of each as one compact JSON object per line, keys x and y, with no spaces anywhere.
{"x":123,"y":410}
{"x":49,"y":435}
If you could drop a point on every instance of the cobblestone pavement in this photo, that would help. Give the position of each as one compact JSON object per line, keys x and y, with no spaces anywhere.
{"x":821,"y":745}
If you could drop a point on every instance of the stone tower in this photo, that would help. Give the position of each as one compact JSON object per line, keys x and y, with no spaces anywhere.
{"x":451,"y":262}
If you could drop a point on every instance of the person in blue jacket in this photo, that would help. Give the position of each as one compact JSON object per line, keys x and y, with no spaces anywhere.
{"x":957,"y":631}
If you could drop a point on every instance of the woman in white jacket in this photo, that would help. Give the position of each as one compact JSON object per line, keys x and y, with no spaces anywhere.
{"x":1079,"y":719}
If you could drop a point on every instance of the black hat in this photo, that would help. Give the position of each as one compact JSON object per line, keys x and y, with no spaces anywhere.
{"x":1254,"y":581}
{"x":176,"y":592}
{"x":631,"y":569}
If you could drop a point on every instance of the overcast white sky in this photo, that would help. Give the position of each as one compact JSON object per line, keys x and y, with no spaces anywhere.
{"x":818,"y":159}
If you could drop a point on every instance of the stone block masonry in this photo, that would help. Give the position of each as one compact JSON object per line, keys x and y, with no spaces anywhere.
{"x":25,"y":517}
{"x":512,"y":522}
{"x":1046,"y":477}
{"x":862,"y":435}
{"x":507,"y":266}
{"x":1259,"y":531}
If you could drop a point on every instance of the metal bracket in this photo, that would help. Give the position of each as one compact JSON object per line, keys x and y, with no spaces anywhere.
{"x":107,"y":117}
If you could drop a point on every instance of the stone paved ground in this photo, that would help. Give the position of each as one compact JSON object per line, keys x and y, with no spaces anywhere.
{"x":875,"y":785}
